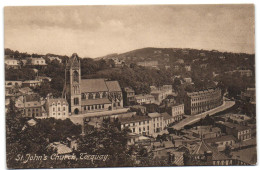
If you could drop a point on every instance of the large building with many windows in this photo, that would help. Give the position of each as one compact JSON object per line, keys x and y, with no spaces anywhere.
{"x":201,"y":101}
{"x":57,"y":108}
{"x":137,"y":124}
{"x":90,"y":95}
{"x":31,"y":108}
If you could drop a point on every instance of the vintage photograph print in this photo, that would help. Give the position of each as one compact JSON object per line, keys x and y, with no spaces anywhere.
{"x":130,"y":86}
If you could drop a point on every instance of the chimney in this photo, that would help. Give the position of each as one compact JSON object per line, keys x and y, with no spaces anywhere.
{"x":208,"y":156}
{"x":170,"y":157}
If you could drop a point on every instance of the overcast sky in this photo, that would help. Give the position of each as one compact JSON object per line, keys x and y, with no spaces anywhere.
{"x":94,"y":31}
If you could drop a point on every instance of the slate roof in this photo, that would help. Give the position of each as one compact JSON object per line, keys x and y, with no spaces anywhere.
{"x":152,"y":115}
{"x":99,"y":85}
{"x":142,"y":96}
{"x":93,"y":85}
{"x":113,"y":86}
{"x":202,"y":146}
{"x":56,"y":100}
{"x":221,"y":139}
{"x":166,"y":116}
{"x":235,"y":126}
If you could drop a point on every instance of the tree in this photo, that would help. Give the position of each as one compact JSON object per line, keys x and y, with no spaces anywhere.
{"x":28,"y":61}
{"x":107,"y":140}
{"x":228,"y":151}
{"x":151,"y":108}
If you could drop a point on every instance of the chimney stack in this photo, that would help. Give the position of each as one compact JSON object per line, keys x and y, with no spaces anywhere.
{"x":208,"y":156}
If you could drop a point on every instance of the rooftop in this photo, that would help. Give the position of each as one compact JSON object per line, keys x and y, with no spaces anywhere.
{"x":153,"y":115}
{"x":99,"y":85}
{"x":220,"y":139}
{"x":31,"y":81}
{"x":141,"y":96}
{"x":56,"y":100}
{"x":205,"y":129}
{"x":235,"y":126}
{"x":133,"y":119}
{"x":166,"y":116}
{"x":203,"y":147}
{"x":202,"y":92}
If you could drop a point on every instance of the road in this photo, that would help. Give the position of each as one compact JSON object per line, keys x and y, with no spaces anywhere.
{"x":194,"y":118}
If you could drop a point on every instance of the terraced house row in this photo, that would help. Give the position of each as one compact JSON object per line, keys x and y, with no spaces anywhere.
{"x":201,"y":101}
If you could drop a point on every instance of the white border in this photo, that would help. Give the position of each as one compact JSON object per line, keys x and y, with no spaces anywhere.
{"x":114,"y":2}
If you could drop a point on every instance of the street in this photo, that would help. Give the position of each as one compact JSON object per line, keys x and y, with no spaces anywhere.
{"x":193,"y":118}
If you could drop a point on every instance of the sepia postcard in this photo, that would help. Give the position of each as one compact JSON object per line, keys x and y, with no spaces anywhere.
{"x":130,"y":86}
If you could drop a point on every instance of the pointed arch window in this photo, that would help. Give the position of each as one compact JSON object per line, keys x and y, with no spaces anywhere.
{"x":90,"y":96}
{"x":97,"y":95}
{"x":76,"y":101}
{"x":75,"y":76}
{"x":83,"y":96}
{"x":104,"y":95}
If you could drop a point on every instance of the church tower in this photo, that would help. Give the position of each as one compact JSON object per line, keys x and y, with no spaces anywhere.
{"x":72,"y":84}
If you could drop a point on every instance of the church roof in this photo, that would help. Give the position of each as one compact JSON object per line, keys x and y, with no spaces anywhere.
{"x":202,"y":147}
{"x":93,"y":85}
{"x":99,"y":85}
{"x":113,"y":86}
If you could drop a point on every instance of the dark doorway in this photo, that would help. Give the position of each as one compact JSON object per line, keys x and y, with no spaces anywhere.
{"x":76,"y":111}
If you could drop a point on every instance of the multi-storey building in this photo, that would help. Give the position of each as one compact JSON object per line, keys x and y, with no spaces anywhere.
{"x":206,"y":132}
{"x":31,"y":83}
{"x":90,"y":95}
{"x":221,"y":142}
{"x":144,"y":99}
{"x":157,"y":123}
{"x":129,"y":96}
{"x":201,"y":101}
{"x":11,"y":62}
{"x":160,"y":93}
{"x":167,"y":119}
{"x":52,"y":58}
{"x":137,"y":124}
{"x":249,"y":95}
{"x":38,"y":61}
{"x":32,"y":108}
{"x":57,"y":108}
{"x":176,"y":111}
{"x":241,"y":132}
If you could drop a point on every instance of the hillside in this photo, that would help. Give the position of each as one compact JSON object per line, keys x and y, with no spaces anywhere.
{"x":169,"y":56}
